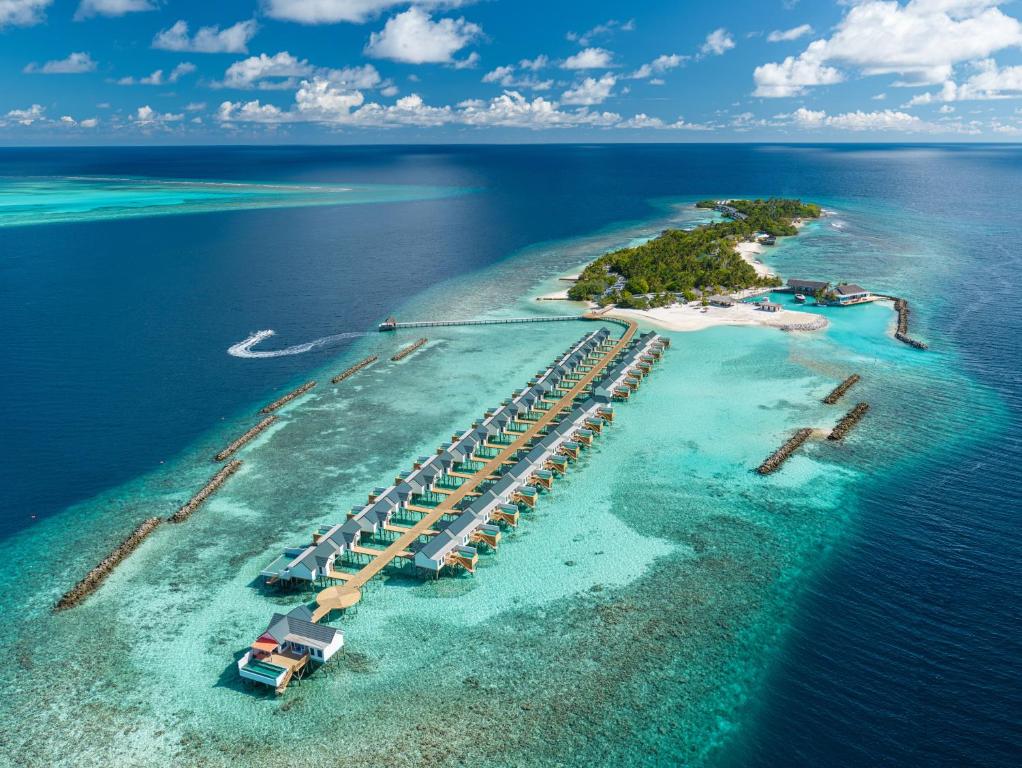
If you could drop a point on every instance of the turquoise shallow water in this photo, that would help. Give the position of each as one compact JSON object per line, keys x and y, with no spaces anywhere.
{"x":630,"y":620}
{"x":50,"y":200}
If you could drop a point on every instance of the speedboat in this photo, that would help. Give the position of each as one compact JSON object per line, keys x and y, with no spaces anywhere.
{"x":800,"y":298}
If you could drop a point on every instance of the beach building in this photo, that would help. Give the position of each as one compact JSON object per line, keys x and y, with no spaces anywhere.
{"x":769,"y":306}
{"x":720,"y":300}
{"x":807,"y":287}
{"x":850,"y":293}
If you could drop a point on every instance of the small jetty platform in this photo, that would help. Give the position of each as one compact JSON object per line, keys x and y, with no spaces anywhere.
{"x":94,"y":578}
{"x":390,"y":324}
{"x":207,"y":490}
{"x":849,"y":420}
{"x":281,"y":402}
{"x":782,"y":454}
{"x":841,"y":388}
{"x":349,"y":372}
{"x":403,"y":353}
{"x":227,"y":452}
{"x":452,"y":506}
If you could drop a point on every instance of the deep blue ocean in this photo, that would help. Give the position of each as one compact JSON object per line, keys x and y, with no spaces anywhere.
{"x":905,"y":647}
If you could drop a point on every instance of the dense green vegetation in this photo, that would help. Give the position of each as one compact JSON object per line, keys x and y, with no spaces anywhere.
{"x":680,"y":261}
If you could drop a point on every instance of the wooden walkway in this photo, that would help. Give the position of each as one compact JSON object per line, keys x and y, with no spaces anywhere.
{"x":349,"y":593}
{"x":495,"y":321}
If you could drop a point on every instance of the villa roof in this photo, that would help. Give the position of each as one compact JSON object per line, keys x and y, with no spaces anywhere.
{"x":294,"y":628}
{"x":846,"y":289}
{"x":812,"y":285}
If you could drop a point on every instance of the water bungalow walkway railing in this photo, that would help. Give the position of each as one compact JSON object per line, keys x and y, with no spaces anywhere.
{"x":345,"y":595}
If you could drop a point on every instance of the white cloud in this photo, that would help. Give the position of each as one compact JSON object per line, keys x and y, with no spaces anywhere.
{"x":886,"y":120}
{"x":988,"y":81}
{"x":147,"y":117}
{"x":921,"y":40}
{"x":233,"y":39}
{"x":75,"y":64}
{"x":157,"y":78}
{"x":89,"y":8}
{"x":508,"y":78}
{"x":89,"y":122}
{"x":334,"y":11}
{"x":793,"y":75}
{"x":644,"y":121}
{"x":35,"y":113}
{"x":590,"y":91}
{"x":282,"y":70}
{"x":22,"y":13}
{"x":195,"y":106}
{"x":590,"y":58}
{"x":717,"y":42}
{"x":600,"y":30}
{"x":414,"y":37}
{"x":320,"y":102}
{"x":784,"y":35}
{"x":536,"y":64}
{"x":658,"y":66}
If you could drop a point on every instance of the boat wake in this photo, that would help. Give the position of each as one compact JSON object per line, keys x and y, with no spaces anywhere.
{"x":244,"y":348}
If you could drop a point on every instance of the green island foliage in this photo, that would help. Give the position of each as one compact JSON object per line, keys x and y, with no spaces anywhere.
{"x":683,"y":261}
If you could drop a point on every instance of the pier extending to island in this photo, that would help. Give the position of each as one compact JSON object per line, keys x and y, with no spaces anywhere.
{"x":455,"y":504}
{"x":98,"y":574}
{"x":841,"y":388}
{"x":390,"y":324}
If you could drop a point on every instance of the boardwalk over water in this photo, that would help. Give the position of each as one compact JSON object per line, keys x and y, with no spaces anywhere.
{"x":349,"y":593}
{"x":393,"y":326}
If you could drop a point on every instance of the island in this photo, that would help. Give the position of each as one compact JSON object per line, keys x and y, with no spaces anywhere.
{"x":678,"y":279}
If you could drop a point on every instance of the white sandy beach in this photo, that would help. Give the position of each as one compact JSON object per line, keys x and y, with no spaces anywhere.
{"x":750,"y":252}
{"x":690,"y":317}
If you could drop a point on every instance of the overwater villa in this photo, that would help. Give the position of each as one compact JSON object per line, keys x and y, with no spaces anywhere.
{"x":807,"y":287}
{"x":289,"y":644}
{"x":452,"y":506}
{"x":850,"y":293}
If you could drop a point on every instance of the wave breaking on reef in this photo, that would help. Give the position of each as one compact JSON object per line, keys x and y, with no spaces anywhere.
{"x":244,"y":348}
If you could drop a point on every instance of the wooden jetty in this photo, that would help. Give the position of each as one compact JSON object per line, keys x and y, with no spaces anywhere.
{"x":782,"y":454}
{"x":390,"y":324}
{"x":237,"y":444}
{"x":841,"y":388}
{"x":402,"y":354}
{"x":280,"y":402}
{"x":353,"y":369}
{"x":849,"y":420}
{"x":349,"y":593}
{"x":96,"y":576}
{"x":207,"y":490}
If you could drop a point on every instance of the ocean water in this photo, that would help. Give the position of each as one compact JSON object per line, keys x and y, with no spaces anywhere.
{"x":664,"y":605}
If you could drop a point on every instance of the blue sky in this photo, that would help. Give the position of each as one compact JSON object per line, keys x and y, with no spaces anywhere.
{"x":357,"y":71}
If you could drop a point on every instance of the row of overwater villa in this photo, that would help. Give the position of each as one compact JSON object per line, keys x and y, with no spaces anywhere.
{"x":456,"y":503}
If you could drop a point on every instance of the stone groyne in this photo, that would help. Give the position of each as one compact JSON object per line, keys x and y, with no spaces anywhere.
{"x":288,"y":397}
{"x":230,"y":449}
{"x":778,"y":457}
{"x":901,"y":334}
{"x":95,"y":577}
{"x":841,"y":388}
{"x":850,"y":420}
{"x":207,"y":490}
{"x":402,"y":354}
{"x":354,"y":369}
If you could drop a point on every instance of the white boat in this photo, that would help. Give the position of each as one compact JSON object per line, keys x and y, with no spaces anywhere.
{"x":800,"y":298}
